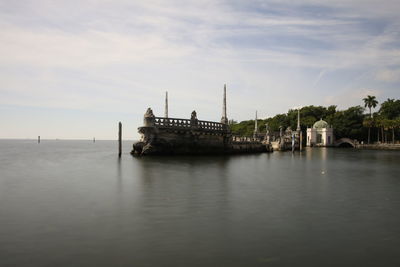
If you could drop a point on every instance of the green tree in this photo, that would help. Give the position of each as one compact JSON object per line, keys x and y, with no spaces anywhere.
{"x":348,"y":123}
{"x":396,"y":126}
{"x":386,"y":123}
{"x":351,"y":123}
{"x":232,"y":122}
{"x":278,"y":121}
{"x":244,"y":128}
{"x":368,"y":122}
{"x":370,"y":102}
{"x":392,"y":126}
{"x":390,"y":109}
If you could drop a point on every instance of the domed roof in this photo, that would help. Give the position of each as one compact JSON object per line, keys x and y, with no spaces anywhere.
{"x":320,"y":124}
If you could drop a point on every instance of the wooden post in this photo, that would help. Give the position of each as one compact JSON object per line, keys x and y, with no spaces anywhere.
{"x":119,"y":139}
{"x":301,"y":141}
{"x":293,"y":142}
{"x":94,"y":140}
{"x":38,"y":139}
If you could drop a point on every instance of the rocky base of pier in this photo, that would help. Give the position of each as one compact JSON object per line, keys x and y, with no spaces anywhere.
{"x":165,"y":148}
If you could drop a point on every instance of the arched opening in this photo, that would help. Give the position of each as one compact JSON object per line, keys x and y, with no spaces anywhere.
{"x":345,"y":145}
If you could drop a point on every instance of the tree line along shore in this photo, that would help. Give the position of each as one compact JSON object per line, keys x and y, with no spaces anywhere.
{"x":381,"y":126}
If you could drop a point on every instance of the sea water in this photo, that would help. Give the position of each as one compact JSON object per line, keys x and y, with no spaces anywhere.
{"x":75,"y":203}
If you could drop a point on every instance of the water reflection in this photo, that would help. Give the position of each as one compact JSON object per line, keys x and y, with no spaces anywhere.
{"x":189,"y":188}
{"x":119,"y":176}
{"x":85,"y":205}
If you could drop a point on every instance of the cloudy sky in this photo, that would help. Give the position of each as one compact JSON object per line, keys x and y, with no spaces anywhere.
{"x":73,"y":69}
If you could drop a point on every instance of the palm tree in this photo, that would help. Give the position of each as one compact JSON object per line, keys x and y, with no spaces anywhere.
{"x":390,"y":125}
{"x":368,"y":122}
{"x":393,"y":125}
{"x":396,"y":125}
{"x":370,"y":102}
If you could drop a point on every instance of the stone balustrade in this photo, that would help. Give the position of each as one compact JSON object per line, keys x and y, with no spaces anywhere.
{"x":240,"y":139}
{"x":207,"y":126}
{"x":162,"y":122}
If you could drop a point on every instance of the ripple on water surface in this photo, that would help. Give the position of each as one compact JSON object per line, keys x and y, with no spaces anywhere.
{"x":74,"y":203}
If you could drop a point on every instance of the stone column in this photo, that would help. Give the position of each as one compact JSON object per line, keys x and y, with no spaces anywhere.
{"x":224,"y":118}
{"x":255,"y":127}
{"x":298,"y":121}
{"x":298,"y":130}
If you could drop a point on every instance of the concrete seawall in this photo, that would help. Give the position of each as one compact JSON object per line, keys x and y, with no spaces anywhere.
{"x":379,"y":146}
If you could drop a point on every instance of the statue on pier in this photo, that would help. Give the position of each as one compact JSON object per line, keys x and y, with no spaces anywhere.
{"x":149,"y":113}
{"x":193,"y":115}
{"x":193,"y":118}
{"x":149,"y":118}
{"x":267,"y":135}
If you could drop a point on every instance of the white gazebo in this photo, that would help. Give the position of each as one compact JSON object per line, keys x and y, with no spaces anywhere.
{"x":321,"y":134}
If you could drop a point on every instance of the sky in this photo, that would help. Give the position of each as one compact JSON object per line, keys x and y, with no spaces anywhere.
{"x":74,"y":69}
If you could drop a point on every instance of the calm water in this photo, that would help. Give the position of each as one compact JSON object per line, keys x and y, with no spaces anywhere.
{"x":73,"y":203}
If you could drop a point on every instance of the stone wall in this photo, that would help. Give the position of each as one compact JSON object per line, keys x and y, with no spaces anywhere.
{"x":191,"y":136}
{"x":379,"y":146}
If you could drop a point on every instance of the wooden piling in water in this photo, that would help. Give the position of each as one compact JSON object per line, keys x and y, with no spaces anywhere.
{"x":301,"y":141}
{"x":119,"y":139}
{"x":38,"y":139}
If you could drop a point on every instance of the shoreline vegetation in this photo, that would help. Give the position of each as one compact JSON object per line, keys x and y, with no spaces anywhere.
{"x":380,"y":127}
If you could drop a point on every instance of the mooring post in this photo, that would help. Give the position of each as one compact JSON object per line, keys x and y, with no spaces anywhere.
{"x":94,"y":140}
{"x":38,"y":139}
{"x":293,"y":142}
{"x":301,"y":141}
{"x":119,"y":139}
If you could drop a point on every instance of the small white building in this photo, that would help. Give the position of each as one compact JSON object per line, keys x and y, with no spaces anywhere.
{"x":321,"y":134}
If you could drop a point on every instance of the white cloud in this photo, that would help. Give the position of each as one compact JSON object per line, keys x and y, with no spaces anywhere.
{"x":388,"y":75}
{"x":349,"y":97}
{"x":91,"y":49}
{"x":122,"y":55}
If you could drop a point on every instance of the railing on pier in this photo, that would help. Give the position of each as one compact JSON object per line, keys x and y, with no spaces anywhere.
{"x":187,"y":124}
{"x":209,"y":126}
{"x":241,"y":139}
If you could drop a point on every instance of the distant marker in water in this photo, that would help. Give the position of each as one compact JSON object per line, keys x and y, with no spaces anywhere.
{"x":94,"y":140}
{"x":119,"y":139}
{"x":38,"y":139}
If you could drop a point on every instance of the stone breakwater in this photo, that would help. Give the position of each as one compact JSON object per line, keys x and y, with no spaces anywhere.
{"x":379,"y":146}
{"x":163,"y":136}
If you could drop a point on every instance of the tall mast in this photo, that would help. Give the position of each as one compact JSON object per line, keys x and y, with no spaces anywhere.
{"x":166,"y":105}
{"x":224,"y":118}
